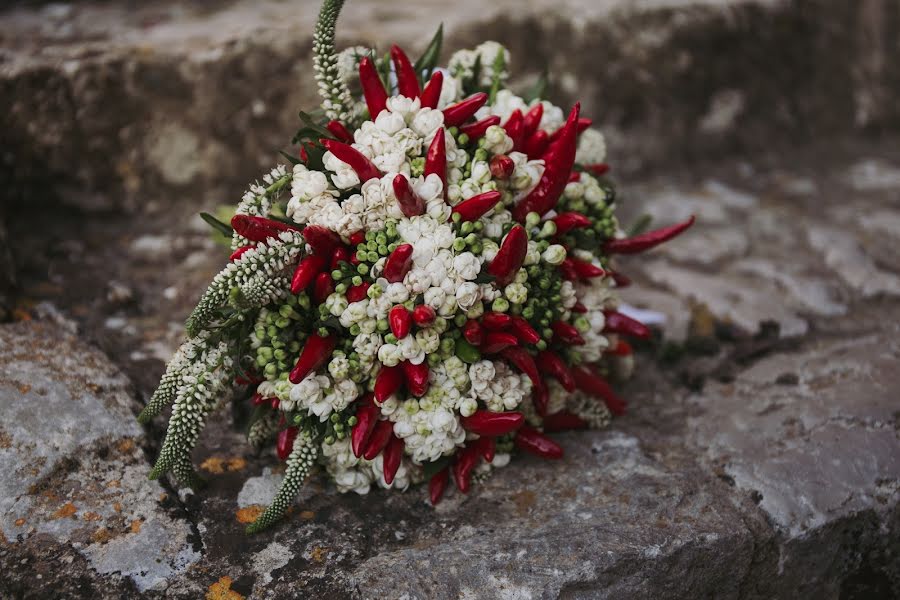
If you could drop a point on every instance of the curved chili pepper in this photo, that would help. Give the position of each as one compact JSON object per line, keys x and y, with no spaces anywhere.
{"x":524,"y":331}
{"x":586,"y":270}
{"x":580,"y":308}
{"x":515,"y":128}
{"x":553,"y":365}
{"x":510,"y":256}
{"x":340,"y":254}
{"x":366,"y":418}
{"x":567,"y":270}
{"x":477,"y":206}
{"x":438,"y":482}
{"x":322,"y":287}
{"x":306,"y":271}
{"x":540,"y":397}
{"x":582,"y":124}
{"x":558,"y":161}
{"x":416,"y":378}
{"x":322,"y":241}
{"x":563,"y":421}
{"x":358,"y":292}
{"x":533,"y":119}
{"x":407,"y":82}
{"x":647,"y":240}
{"x":398,"y":263}
{"x":466,"y":459}
{"x":495,"y":341}
{"x":493,"y":424}
{"x":339,"y":131}
{"x":522,"y":360}
{"x":436,"y":158}
{"x":431,"y":95}
{"x":358,"y":161}
{"x":387,"y":382}
{"x":534,"y":442}
{"x":373,"y":89}
{"x":621,"y":279}
{"x":536,"y":143}
{"x":567,"y":221}
{"x":393,"y":454}
{"x":284,"y":443}
{"x":616,"y":322}
{"x":496,"y":321}
{"x":567,"y":333}
{"x":487,"y":448}
{"x":315,"y":353}
{"x":258,"y":229}
{"x":400,"y":320}
{"x":473,"y":332}
{"x":381,"y":434}
{"x":239,"y":252}
{"x":502,"y":166}
{"x":424,"y":315}
{"x":592,"y":384}
{"x":477,"y":129}
{"x":459,"y":113}
{"x":598,"y":169}
{"x":410,"y":203}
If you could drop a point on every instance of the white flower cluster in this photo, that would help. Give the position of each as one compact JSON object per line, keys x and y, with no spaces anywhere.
{"x":487,"y":55}
{"x":498,"y":386}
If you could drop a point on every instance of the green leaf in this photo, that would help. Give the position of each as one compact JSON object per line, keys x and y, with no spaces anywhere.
{"x":216,"y":224}
{"x":291,"y":159}
{"x":314,"y":125}
{"x":432,"y":53}
{"x":639,"y":226}
{"x":538,"y":90}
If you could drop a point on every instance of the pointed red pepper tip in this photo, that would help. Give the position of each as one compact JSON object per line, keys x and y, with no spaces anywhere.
{"x":381,"y":434}
{"x":510,"y":256}
{"x":284,"y":444}
{"x":400,"y":321}
{"x":398,"y":263}
{"x":424,"y":315}
{"x":407,"y":82}
{"x":647,"y":240}
{"x":416,"y":377}
{"x":339,"y":131}
{"x":387,"y":382}
{"x":393,"y":455}
{"x":436,"y":158}
{"x":492,"y":424}
{"x":431,"y":95}
{"x":373,"y":89}
{"x":437,"y":485}
{"x":410,"y":203}
{"x":461,"y":112}
{"x":532,"y":441}
{"x":502,"y":166}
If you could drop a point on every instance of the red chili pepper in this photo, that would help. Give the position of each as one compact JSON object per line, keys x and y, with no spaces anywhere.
{"x":338,"y":130}
{"x":274,"y":403}
{"x":495,"y":341}
{"x":533,"y":119}
{"x":567,"y":333}
{"x":358,"y":292}
{"x":431,"y":95}
{"x":315,"y":353}
{"x":567,"y":270}
{"x":616,"y":322}
{"x":473,"y":332}
{"x":563,"y":421}
{"x":393,"y":454}
{"x":622,"y":348}
{"x":354,"y":259}
{"x":304,"y":155}
{"x":583,"y":123}
{"x":493,"y":424}
{"x":592,"y":384}
{"x":284,"y":443}
{"x":306,"y":271}
{"x":322,"y":241}
{"x":424,"y":315}
{"x":522,"y":360}
{"x":586,"y":270}
{"x":407,"y":82}
{"x":239,"y":252}
{"x":466,"y":459}
{"x":436,"y":158}
{"x":510,"y":256}
{"x":358,"y":161}
{"x":366,"y":418}
{"x":258,"y":229}
{"x":574,"y":176}
{"x":387,"y":382}
{"x":410,"y":203}
{"x":598,"y":169}
{"x":459,"y":113}
{"x":400,"y":321}
{"x":647,"y":240}
{"x":250,"y":379}
{"x":477,"y":129}
{"x":495,"y":321}
{"x":416,"y":378}
{"x":553,"y":365}
{"x":558,"y":160}
{"x":438,"y":482}
{"x":536,"y":143}
{"x":534,"y":442}
{"x":524,"y":331}
{"x":540,"y":397}
{"x":398,"y":263}
{"x":502,"y":166}
{"x":322,"y":287}
{"x":567,"y":221}
{"x":379,"y":439}
{"x":515,"y":128}
{"x":487,"y":448}
{"x":373,"y":89}
{"x":477,"y":206}
{"x":257,"y":399}
{"x":579,"y":308}
{"x":357,"y":238}
{"x":340,"y":254}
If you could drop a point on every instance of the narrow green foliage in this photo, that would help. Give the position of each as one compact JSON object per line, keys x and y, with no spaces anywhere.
{"x":640,"y":225}
{"x":299,"y":463}
{"x":172,"y":379}
{"x":497,"y":70}
{"x":216,"y":224}
{"x":429,"y":58}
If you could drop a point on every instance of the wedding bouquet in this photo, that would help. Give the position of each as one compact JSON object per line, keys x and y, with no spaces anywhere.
{"x":425,"y":291}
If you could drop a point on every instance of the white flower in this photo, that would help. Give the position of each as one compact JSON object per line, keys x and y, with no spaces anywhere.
{"x":396,"y":293}
{"x":591,"y":147}
{"x":427,"y":121}
{"x":467,"y":265}
{"x":390,"y":122}
{"x":467,"y":295}
{"x":403,"y":106}
{"x":450,"y":91}
{"x":389,"y":355}
{"x":555,"y":254}
{"x":481,"y":373}
{"x":516,"y":293}
{"x":496,"y":141}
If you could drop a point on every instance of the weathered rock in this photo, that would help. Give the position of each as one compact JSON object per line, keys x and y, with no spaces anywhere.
{"x":73,"y":479}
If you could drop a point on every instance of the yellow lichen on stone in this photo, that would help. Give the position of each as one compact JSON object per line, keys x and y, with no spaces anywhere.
{"x":66,"y":510}
{"x":221,"y":590}
{"x":218,"y":465}
{"x":248,"y":514}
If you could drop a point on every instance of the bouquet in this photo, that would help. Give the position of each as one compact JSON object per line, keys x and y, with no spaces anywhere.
{"x":427,"y":290}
